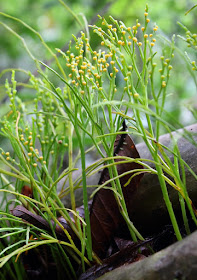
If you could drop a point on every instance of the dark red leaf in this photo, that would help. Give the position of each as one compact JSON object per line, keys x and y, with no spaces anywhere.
{"x":105,"y":216}
{"x":26,"y":190}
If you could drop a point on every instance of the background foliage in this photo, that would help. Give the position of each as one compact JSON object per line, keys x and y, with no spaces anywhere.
{"x":57,"y":25}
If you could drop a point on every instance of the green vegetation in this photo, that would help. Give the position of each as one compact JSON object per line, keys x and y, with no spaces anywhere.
{"x":77,"y":105}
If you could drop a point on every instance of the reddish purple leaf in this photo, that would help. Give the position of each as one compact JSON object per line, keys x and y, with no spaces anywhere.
{"x":105,"y":216}
{"x":40,"y":222}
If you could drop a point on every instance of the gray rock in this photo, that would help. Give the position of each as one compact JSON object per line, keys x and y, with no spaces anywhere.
{"x":149,"y":209}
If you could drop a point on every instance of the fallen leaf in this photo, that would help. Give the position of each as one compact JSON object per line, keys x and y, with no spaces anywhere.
{"x":105,"y":216}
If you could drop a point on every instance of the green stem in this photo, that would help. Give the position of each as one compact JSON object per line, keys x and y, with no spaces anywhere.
{"x":70,"y":152}
{"x":164,"y":190}
{"x":133,"y":231}
{"x":71,"y":12}
{"x":167,"y":200}
{"x":85,"y":195}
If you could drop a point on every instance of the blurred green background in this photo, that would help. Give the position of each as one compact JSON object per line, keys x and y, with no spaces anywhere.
{"x":56,"y":24}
